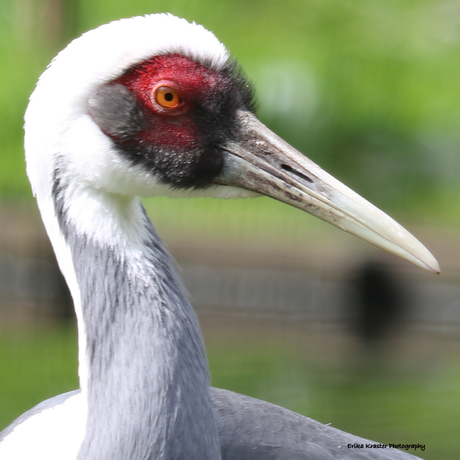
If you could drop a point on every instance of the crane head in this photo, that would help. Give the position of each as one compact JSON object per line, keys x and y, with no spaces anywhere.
{"x":154,"y":105}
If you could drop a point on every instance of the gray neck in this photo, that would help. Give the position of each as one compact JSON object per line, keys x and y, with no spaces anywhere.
{"x":147,"y":381}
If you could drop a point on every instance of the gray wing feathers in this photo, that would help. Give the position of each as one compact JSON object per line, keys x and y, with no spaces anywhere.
{"x":251,"y":429}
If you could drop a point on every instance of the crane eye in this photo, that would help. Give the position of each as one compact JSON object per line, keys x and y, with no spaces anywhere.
{"x":167,"y":97}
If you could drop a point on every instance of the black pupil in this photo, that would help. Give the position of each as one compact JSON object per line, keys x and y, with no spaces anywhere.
{"x":169,"y":97}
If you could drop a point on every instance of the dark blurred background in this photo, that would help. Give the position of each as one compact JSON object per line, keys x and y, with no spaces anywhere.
{"x":293,"y":311}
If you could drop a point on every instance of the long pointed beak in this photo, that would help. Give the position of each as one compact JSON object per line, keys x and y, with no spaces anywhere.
{"x":262,"y":162}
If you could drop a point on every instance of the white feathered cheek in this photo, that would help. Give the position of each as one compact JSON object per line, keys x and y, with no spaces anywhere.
{"x":92,"y":158}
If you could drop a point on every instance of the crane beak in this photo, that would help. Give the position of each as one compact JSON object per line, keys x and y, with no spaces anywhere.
{"x":262,"y":162}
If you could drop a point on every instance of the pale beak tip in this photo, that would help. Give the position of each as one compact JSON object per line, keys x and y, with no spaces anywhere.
{"x":426,"y":261}
{"x":434,"y":266}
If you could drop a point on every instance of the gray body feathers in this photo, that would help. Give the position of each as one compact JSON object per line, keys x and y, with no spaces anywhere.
{"x":250,"y":429}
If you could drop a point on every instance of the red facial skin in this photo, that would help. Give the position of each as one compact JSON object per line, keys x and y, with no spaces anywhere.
{"x":174,"y":129}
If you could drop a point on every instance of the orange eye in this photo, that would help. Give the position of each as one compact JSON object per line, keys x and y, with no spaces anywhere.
{"x":167,"y":97}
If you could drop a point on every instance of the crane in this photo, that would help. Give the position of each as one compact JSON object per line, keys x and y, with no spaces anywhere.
{"x":150,"y":106}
